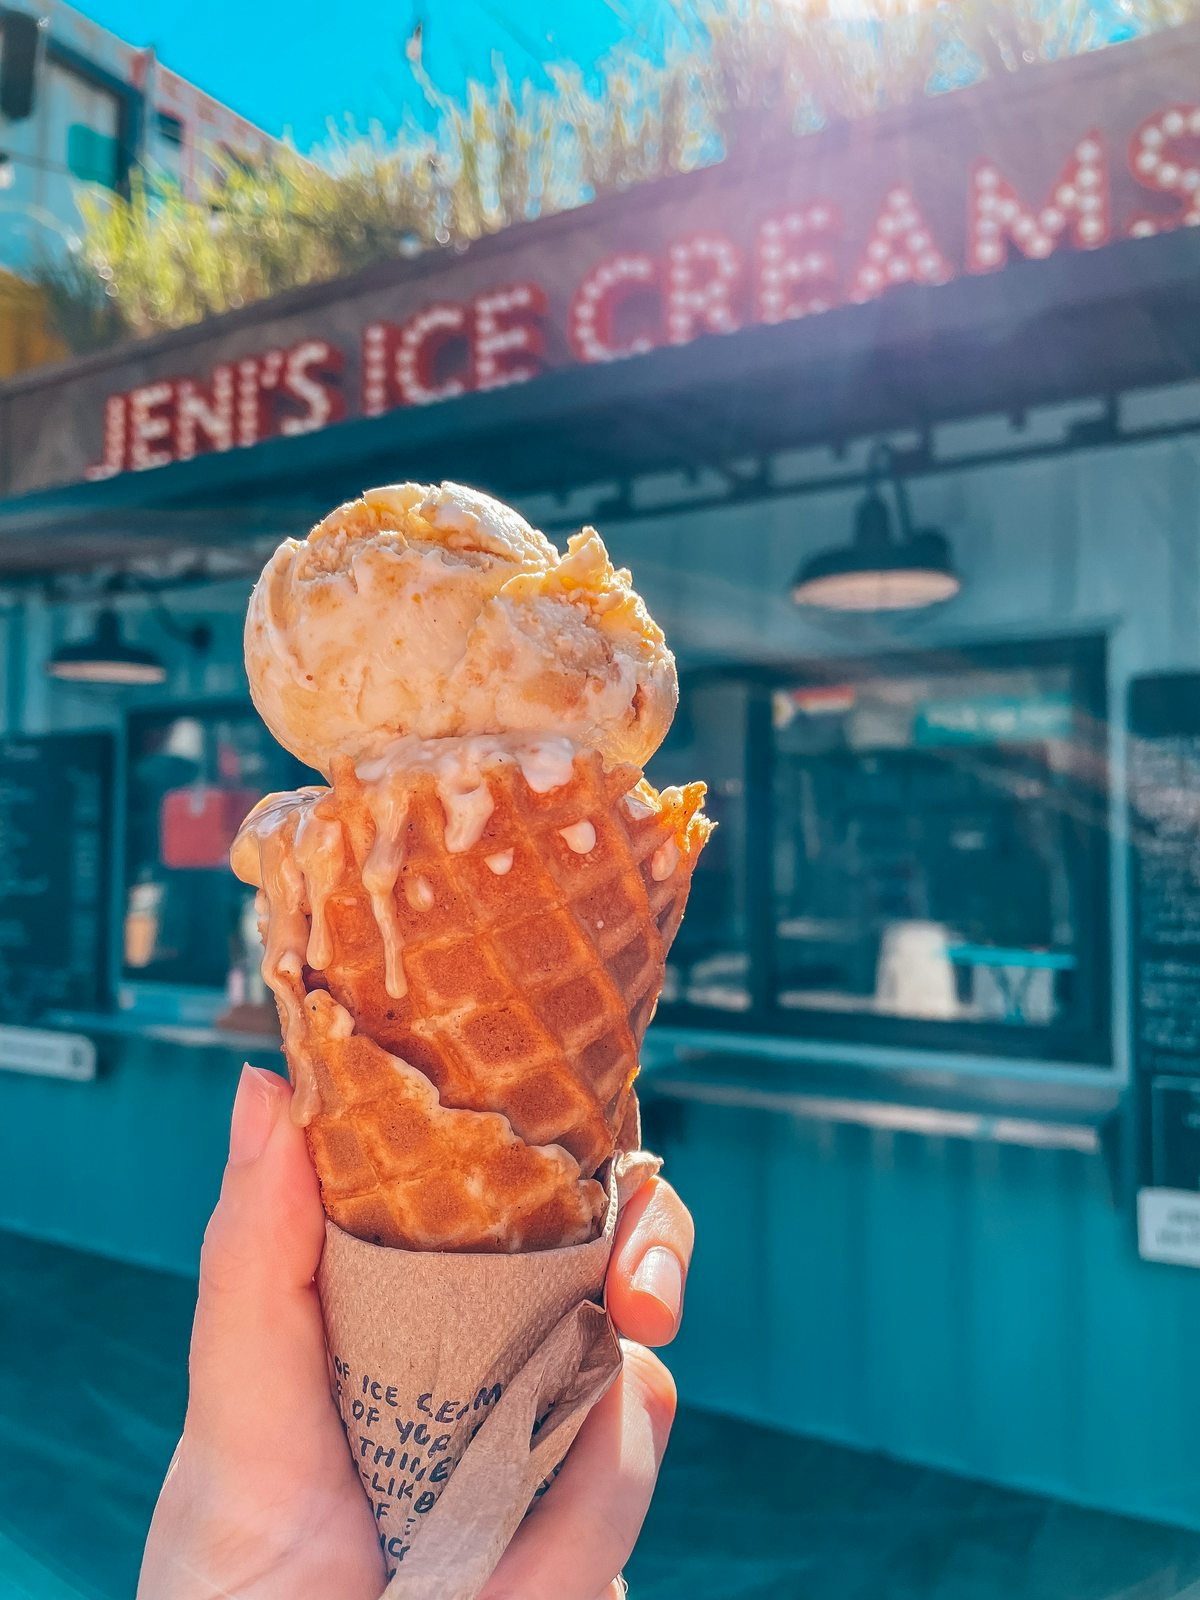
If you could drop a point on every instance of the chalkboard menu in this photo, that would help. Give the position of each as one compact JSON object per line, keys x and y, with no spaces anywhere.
{"x":55,"y":840}
{"x":1164,"y":834}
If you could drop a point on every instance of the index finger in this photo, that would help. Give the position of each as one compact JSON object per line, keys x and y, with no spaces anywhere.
{"x":646,"y":1275}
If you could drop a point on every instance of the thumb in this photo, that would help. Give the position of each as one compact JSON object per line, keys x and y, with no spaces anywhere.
{"x":258,"y":1348}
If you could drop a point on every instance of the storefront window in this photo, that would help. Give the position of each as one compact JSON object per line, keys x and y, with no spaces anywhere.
{"x":927,"y":864}
{"x":192,"y":775}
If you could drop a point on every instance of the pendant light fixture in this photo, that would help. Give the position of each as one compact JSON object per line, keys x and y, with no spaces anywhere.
{"x":878,"y":571}
{"x":105,"y":656}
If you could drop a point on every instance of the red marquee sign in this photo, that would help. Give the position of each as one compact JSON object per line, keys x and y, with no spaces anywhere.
{"x":1071,"y":171}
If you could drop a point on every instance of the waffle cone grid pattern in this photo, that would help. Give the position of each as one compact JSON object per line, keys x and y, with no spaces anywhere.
{"x":477,"y":1111}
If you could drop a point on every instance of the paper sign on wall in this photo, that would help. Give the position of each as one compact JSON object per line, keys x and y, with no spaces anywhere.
{"x":1169,"y":1226}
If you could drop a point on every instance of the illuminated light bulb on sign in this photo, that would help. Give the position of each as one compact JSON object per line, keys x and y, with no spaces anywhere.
{"x":703,"y":275}
{"x":309,"y":371}
{"x":901,"y":249}
{"x":113,"y":454}
{"x":374,"y":369}
{"x":1158,"y":163}
{"x":509,"y":345}
{"x":257,"y":378}
{"x":247,"y":401}
{"x":421,"y":338}
{"x":1079,"y":205}
{"x":590,"y":321}
{"x":205,"y":414}
{"x":149,"y":426}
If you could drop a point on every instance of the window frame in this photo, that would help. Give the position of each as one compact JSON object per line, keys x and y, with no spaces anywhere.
{"x":157,"y":713}
{"x":170,"y":128}
{"x":1087,"y":1043}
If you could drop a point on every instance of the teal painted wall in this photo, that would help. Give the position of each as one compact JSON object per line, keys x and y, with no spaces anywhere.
{"x":976,"y":1307}
{"x":127,"y":1166}
{"x":979,"y":1308}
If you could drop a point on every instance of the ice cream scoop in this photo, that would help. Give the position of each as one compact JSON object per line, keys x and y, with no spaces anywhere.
{"x":439,"y":612}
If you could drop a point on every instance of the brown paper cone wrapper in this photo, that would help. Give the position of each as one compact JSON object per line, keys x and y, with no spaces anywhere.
{"x":462,"y":1381}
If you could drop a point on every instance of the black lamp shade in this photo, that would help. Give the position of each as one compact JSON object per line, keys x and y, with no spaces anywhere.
{"x":872,"y":523}
{"x":105,"y":658}
{"x":878,"y":574}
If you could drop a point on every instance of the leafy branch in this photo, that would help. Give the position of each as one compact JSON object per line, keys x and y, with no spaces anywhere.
{"x":739,"y":73}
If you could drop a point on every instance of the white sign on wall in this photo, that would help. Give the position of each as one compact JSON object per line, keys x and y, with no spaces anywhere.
{"x":47,"y":1054}
{"x":1169,"y":1226}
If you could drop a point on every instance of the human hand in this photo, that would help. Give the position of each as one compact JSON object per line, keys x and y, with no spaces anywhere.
{"x":236,"y":1518}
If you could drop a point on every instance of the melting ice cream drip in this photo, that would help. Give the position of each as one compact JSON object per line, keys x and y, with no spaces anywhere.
{"x":579,"y":837}
{"x":283,"y":954}
{"x":459,"y":767}
{"x":297,"y":857}
{"x":664,"y":861}
{"x":419,"y":893}
{"x":387,"y":802}
{"x":546,"y":764}
{"x":320,"y":855}
{"x":467,"y":812}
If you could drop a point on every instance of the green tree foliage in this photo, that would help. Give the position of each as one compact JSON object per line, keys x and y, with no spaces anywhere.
{"x":740,"y":72}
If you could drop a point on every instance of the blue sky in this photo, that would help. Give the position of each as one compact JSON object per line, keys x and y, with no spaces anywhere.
{"x":294,"y":65}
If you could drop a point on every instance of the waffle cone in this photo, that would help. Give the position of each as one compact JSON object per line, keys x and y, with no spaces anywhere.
{"x":464,"y":1038}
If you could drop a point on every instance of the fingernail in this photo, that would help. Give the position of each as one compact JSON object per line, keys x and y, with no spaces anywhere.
{"x":659,"y":1275}
{"x":254,"y":1111}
